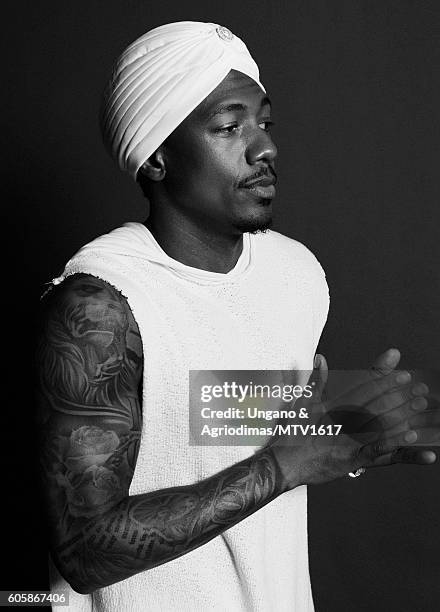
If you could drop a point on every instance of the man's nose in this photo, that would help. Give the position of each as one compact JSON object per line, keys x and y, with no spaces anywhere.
{"x":261,"y":148}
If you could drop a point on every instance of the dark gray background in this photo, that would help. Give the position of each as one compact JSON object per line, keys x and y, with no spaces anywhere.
{"x":355,"y":87}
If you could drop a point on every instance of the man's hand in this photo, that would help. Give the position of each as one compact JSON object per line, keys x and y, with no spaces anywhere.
{"x":382,"y":416}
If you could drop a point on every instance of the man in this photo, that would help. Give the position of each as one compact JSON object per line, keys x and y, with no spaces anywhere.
{"x":141,"y":520}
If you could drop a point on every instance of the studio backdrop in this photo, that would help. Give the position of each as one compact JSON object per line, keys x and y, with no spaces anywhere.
{"x":355,"y":92}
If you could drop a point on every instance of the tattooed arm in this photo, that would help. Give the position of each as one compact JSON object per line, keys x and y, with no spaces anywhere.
{"x":90,"y":365}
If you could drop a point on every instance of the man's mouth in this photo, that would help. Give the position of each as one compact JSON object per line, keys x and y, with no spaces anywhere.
{"x":262,"y":186}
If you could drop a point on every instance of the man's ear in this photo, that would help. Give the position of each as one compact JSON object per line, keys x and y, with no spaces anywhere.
{"x":154,"y":168}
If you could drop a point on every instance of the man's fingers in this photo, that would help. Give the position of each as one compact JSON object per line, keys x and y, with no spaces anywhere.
{"x":406,"y":454}
{"x":426,"y":423}
{"x":426,"y":419}
{"x":420,"y":456}
{"x":375,"y":388}
{"x":370,"y":453}
{"x":396,"y":406}
{"x":376,"y":381}
{"x":382,"y":367}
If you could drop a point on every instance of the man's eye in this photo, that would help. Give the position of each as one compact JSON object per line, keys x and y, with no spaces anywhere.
{"x":266,"y":125}
{"x":227,"y":129}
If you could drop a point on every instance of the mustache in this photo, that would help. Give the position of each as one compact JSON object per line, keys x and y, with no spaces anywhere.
{"x":268,"y":172}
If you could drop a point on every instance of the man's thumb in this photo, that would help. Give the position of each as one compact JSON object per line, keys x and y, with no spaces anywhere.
{"x":319,"y":376}
{"x":386,"y":362}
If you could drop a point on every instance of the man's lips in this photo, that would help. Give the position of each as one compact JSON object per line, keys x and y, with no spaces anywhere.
{"x":261,"y":186}
{"x":264,"y":181}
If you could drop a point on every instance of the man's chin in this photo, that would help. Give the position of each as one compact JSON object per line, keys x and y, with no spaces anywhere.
{"x":253,"y":226}
{"x":261,"y":229}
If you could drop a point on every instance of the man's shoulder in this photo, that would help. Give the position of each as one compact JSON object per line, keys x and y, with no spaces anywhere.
{"x":297,"y":266}
{"x":87,"y":312}
{"x":111,"y":257}
{"x":284,"y":247}
{"x":126,"y":238}
{"x":84,"y":293}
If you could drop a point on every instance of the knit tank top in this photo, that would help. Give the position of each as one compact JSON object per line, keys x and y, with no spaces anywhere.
{"x":266,"y":313}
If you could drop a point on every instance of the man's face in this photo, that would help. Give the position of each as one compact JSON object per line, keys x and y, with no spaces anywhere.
{"x":220,"y":160}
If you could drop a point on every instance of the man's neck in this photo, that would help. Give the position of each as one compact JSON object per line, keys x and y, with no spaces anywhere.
{"x":184,"y":241}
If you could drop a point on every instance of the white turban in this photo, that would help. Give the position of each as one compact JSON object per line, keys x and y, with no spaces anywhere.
{"x":160,"y":79}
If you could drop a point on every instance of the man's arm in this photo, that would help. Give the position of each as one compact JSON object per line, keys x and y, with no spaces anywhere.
{"x":90,"y":365}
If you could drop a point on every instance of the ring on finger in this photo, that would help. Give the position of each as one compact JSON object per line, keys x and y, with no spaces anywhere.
{"x":357,"y":473}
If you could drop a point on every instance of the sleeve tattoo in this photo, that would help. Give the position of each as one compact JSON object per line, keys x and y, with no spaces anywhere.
{"x":90,"y":370}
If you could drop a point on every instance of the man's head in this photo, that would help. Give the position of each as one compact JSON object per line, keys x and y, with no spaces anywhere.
{"x":186,"y":115}
{"x":218,"y":165}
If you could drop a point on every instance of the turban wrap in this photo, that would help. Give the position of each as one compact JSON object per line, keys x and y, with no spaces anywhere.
{"x":160,"y":79}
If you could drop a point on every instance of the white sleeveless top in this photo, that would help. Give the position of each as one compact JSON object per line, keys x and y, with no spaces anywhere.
{"x":266,"y":313}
